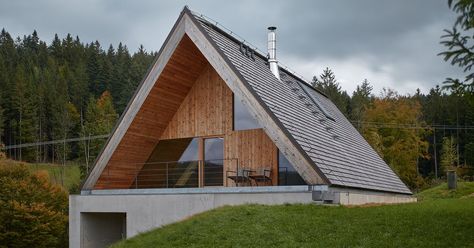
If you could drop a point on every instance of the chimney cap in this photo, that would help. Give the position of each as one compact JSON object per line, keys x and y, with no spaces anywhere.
{"x":271,"y":28}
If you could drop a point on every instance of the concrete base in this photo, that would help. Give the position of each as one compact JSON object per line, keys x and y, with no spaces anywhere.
{"x":344,"y":196}
{"x":102,"y":229}
{"x":149,"y":209}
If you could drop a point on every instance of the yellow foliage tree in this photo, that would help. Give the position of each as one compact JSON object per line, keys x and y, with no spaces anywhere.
{"x":33,"y":212}
{"x":392,"y":126}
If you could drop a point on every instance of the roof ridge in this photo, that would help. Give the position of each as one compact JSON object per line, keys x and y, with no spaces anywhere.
{"x":238,"y":39}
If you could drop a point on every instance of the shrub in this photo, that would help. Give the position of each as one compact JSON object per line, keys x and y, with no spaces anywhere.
{"x":33,"y":212}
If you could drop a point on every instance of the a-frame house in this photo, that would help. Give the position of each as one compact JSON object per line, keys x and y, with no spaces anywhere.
{"x":213,"y":116}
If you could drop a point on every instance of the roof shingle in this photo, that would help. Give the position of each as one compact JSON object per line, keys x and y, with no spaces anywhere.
{"x":323,"y":132}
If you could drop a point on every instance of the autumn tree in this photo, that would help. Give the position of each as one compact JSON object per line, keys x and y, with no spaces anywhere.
{"x":392,"y":126}
{"x":33,"y":212}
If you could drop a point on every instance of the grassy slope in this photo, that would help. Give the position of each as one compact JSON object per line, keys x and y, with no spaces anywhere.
{"x":439,"y":220}
{"x":465,"y":189}
{"x":65,"y":175}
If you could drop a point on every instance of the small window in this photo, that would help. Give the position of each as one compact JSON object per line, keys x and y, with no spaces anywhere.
{"x":243,"y":120}
{"x":287,"y":175}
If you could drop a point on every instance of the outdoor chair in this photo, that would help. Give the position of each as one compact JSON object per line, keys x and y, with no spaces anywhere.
{"x":262,"y":175}
{"x":241,"y":176}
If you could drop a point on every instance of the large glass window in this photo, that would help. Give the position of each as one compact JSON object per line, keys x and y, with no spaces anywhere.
{"x":213,"y":162}
{"x":172,"y":164}
{"x":243,"y":120}
{"x":287,"y":175}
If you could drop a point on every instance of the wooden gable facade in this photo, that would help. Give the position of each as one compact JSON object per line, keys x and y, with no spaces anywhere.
{"x":188,"y":92}
{"x":189,"y":100}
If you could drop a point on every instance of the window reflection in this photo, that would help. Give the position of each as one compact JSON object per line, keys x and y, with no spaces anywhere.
{"x":243,"y":120}
{"x":287,"y":175}
{"x":172,"y":164}
{"x":175,"y":150}
{"x":213,"y":162}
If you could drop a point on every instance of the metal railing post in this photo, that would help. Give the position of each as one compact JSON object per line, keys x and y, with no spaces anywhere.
{"x":136,"y":176}
{"x":167,"y":175}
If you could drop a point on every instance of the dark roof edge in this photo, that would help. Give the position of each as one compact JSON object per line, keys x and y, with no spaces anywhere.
{"x":269,"y":112}
{"x":134,"y":95}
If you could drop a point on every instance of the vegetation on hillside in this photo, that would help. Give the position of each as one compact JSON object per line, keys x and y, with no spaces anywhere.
{"x":463,"y":191}
{"x":52,"y":92}
{"x":33,"y":211}
{"x":436,"y":221}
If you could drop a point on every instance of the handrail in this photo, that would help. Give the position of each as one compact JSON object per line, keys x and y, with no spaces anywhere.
{"x":168,"y":174}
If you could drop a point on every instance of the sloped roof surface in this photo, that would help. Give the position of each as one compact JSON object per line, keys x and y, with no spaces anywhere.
{"x":319,"y":128}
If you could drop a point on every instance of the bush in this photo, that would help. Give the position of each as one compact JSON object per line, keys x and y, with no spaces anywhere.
{"x":33,"y":212}
{"x":2,"y":153}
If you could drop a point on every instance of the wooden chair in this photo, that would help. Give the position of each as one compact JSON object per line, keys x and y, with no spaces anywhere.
{"x":241,"y":176}
{"x":262,"y":175}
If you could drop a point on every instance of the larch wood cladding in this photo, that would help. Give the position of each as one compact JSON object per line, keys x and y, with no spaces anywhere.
{"x":254,"y":150}
{"x":169,"y":91}
{"x":206,"y":110}
{"x":189,"y":100}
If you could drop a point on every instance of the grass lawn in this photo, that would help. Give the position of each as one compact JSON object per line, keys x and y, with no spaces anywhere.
{"x":440,"y":219}
{"x":66,"y":176}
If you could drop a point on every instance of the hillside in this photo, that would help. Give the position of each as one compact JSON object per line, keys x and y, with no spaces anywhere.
{"x":440,"y":219}
{"x":68,"y":176}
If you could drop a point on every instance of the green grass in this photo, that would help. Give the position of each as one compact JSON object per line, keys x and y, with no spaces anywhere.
{"x":465,"y":189}
{"x":439,"y":220}
{"x":67,"y":176}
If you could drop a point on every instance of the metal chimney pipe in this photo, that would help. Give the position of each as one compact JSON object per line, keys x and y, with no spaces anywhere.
{"x":272,"y":61}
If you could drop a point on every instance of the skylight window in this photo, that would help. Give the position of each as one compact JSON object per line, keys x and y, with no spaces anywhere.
{"x":316,"y":101}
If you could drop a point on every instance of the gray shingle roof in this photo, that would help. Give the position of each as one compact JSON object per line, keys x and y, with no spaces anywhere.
{"x":319,"y":128}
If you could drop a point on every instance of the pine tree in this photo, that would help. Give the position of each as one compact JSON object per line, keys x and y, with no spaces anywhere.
{"x":24,"y":111}
{"x":328,"y":84}
{"x":1,"y":124}
{"x":360,"y":101}
{"x":56,"y":49}
{"x":448,"y":154}
{"x":123,"y":84}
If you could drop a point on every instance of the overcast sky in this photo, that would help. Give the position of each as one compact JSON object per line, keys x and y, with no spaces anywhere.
{"x":393,"y":44}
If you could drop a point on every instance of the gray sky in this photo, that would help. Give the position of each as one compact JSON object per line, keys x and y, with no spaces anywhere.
{"x":391,"y":43}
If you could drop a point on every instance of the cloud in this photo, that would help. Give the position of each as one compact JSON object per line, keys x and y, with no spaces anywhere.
{"x":391,"y":43}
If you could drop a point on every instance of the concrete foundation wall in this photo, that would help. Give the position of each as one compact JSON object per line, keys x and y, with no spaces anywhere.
{"x":149,"y":209}
{"x":146,"y":212}
{"x":360,"y":197}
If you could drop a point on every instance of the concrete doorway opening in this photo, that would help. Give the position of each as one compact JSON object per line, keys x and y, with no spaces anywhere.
{"x":102,"y":229}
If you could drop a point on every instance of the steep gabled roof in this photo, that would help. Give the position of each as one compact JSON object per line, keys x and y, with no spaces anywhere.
{"x":320,"y":129}
{"x":305,"y":125}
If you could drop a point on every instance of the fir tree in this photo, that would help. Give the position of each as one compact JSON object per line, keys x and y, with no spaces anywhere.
{"x":328,"y":84}
{"x":360,"y":101}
